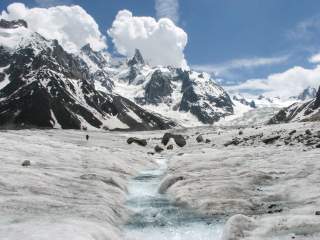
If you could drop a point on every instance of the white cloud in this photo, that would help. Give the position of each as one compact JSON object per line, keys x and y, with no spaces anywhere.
{"x":167,"y":9}
{"x":160,"y":42}
{"x":236,"y":64}
{"x":72,"y":26}
{"x":289,"y":83}
{"x":315,"y":58}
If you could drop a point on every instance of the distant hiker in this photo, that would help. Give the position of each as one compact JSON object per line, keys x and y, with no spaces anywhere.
{"x":87,"y":137}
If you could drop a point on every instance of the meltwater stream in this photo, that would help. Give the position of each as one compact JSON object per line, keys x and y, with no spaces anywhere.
{"x":155,"y":218}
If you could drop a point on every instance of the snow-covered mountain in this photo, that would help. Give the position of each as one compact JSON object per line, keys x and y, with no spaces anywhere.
{"x":300,"y":111}
{"x":188,"y":97}
{"x":306,"y":94}
{"x":44,"y":86}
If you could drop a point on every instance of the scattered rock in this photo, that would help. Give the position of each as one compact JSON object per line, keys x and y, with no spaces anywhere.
{"x":158,"y":149}
{"x":318,"y":145}
{"x":26,"y":163}
{"x":308,"y":132}
{"x":179,"y":139}
{"x":292,"y":132}
{"x":170,"y":147}
{"x":141,"y":142}
{"x":200,"y":139}
{"x":208,"y":140}
{"x":235,"y":141}
{"x":270,"y":140}
{"x":166,"y":138}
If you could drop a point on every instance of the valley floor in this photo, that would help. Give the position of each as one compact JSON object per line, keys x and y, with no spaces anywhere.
{"x":251,"y":183}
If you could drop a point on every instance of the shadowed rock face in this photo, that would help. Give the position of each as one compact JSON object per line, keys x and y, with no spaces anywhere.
{"x":158,"y":87}
{"x":200,"y":105}
{"x":317,"y":102}
{"x":305,"y":111}
{"x":13,"y":24}
{"x":49,"y":87}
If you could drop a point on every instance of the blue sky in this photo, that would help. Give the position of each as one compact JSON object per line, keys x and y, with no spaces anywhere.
{"x":237,"y":39}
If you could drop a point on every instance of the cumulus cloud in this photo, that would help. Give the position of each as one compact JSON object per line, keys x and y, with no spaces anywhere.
{"x":168,"y":9}
{"x":286,"y":84}
{"x":315,"y":58}
{"x":236,"y":64}
{"x":160,"y":42}
{"x":72,"y":26}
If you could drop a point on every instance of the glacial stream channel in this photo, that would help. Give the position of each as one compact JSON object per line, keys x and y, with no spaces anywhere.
{"x":155,"y":218}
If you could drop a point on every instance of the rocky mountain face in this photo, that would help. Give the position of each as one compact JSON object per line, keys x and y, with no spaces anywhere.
{"x":244,"y":101}
{"x":173,"y":92}
{"x":299,"y":112}
{"x":42,"y":85}
{"x":306,"y":94}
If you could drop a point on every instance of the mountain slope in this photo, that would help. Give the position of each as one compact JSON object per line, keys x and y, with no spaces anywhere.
{"x":299,"y":112}
{"x":186,"y":96}
{"x":44,"y":86}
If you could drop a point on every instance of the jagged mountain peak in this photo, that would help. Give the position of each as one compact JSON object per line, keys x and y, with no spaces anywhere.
{"x":137,"y":59}
{"x":43,"y":85}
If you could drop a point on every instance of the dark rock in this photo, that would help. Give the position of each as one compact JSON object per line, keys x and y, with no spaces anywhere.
{"x":158,"y":149}
{"x":170,"y":147}
{"x":235,"y":142}
{"x":200,"y":139}
{"x":141,"y":142}
{"x":166,"y":138}
{"x":26,"y":163}
{"x":317,"y":101}
{"x":317,"y":213}
{"x":308,"y":132}
{"x":240,"y":132}
{"x":318,"y":145}
{"x":208,"y":141}
{"x":269,"y":140}
{"x":292,"y":132}
{"x":13,"y":24}
{"x":179,"y":139}
{"x":158,"y":88}
{"x":150,"y":153}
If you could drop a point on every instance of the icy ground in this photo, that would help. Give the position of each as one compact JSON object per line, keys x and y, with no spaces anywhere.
{"x":106,"y":189}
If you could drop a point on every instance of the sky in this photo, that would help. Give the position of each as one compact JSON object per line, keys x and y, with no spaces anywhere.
{"x":248,"y":45}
